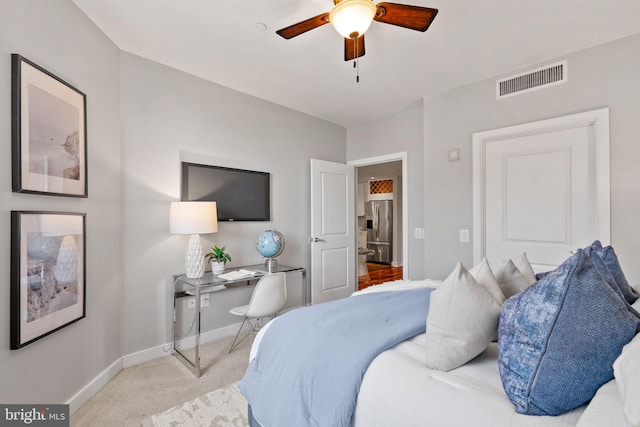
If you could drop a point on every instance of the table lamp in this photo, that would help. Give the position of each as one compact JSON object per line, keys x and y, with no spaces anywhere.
{"x":193,"y":218}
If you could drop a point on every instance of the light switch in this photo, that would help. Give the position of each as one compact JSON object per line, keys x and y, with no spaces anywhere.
{"x":464,"y":235}
{"x":418,"y":233}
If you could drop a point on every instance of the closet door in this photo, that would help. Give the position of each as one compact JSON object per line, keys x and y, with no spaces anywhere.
{"x":543,"y":188}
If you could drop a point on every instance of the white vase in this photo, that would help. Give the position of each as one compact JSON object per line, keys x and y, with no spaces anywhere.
{"x":217,"y":267}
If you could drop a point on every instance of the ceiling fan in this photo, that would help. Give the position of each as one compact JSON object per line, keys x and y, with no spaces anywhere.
{"x":351,"y":18}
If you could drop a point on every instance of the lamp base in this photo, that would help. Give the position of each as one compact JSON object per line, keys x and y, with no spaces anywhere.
{"x":194,"y":259}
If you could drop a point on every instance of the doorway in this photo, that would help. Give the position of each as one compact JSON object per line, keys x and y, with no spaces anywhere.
{"x":380,"y":219}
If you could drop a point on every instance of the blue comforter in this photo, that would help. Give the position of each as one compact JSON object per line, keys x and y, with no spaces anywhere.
{"x":311,"y":361}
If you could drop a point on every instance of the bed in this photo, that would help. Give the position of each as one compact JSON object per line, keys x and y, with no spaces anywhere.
{"x":397,"y":388}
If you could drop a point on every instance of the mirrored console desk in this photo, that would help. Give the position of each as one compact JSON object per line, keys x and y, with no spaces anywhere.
{"x":185,"y":287}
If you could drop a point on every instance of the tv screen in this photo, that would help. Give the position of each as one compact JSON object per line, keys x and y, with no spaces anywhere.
{"x":240,"y":195}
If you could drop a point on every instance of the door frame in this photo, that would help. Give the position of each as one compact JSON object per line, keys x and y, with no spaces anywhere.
{"x":385,"y":158}
{"x":598,"y":119}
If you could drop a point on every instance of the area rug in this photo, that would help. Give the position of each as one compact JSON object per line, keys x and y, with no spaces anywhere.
{"x":224,"y":407}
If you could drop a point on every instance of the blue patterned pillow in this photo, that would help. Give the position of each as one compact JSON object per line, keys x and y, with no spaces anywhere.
{"x":602,"y":268}
{"x":558,"y":339}
{"x":610,"y":259}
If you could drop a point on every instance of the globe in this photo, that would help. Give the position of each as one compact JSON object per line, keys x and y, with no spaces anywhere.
{"x":270,"y":243}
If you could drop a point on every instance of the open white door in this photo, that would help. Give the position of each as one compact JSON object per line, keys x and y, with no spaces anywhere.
{"x":332,"y":231}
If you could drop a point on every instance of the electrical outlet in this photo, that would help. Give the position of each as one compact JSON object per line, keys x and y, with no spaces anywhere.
{"x":418,"y":233}
{"x":204,"y":301}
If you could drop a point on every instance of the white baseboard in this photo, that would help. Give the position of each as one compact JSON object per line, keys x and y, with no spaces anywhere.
{"x":142,"y":356}
{"x":95,"y":385}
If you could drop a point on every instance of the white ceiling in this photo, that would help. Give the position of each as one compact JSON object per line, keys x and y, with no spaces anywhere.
{"x":227,"y":43}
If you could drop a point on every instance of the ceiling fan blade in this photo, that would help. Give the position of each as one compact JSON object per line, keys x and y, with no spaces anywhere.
{"x":304,"y":26}
{"x":403,"y":15}
{"x":353,"y":50}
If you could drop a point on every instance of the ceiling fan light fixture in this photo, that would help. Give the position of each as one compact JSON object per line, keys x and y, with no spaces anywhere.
{"x":351,"y":18}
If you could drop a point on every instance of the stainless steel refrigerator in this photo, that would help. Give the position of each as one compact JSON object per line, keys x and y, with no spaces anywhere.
{"x":379,"y":222}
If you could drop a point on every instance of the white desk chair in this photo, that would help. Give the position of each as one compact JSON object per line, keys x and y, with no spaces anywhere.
{"x":267,"y":299}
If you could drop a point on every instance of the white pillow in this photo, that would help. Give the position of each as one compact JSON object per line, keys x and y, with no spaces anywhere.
{"x":511,"y":279}
{"x":605,"y":409}
{"x":626,"y":370}
{"x":484,"y":276}
{"x":462,"y":321}
{"x":522,"y":263}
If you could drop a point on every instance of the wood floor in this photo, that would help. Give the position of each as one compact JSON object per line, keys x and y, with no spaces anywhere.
{"x":379,"y":274}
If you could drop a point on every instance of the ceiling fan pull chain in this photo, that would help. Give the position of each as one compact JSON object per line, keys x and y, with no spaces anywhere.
{"x":356,"y":64}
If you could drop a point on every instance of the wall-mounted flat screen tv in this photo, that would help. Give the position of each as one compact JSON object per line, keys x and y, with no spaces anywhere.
{"x":240,"y":195}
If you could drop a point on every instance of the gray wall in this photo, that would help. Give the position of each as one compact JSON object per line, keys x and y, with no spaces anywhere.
{"x":143,"y":118}
{"x":167,"y":116}
{"x":604,"y":76}
{"x":396,"y":133}
{"x":59,"y":38}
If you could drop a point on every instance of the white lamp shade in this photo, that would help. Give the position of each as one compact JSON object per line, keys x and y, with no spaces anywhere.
{"x":352,"y":17}
{"x":193,"y":218}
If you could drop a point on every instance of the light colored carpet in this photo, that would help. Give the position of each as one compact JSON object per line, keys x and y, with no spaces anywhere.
{"x":224,"y":407}
{"x":140,"y":391}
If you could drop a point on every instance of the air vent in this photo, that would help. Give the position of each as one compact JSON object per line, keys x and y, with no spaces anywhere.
{"x":539,"y":78}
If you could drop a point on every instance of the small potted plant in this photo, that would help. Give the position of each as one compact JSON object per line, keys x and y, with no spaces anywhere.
{"x":218,"y":257}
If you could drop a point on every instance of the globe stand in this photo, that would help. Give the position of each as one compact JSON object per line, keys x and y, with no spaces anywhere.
{"x":270,"y":264}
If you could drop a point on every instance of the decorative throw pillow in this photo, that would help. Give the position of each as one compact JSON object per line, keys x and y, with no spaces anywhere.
{"x":510,"y":279}
{"x":603,"y":270}
{"x":559,"y":338}
{"x":542,"y":274}
{"x":610,"y":259}
{"x":462,"y":320}
{"x":485,"y":278}
{"x":627,"y":373}
{"x":522,"y":263}
{"x":608,"y":278}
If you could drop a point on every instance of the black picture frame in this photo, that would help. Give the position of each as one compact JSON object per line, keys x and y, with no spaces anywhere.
{"x":48,"y":132}
{"x":48,"y":279}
